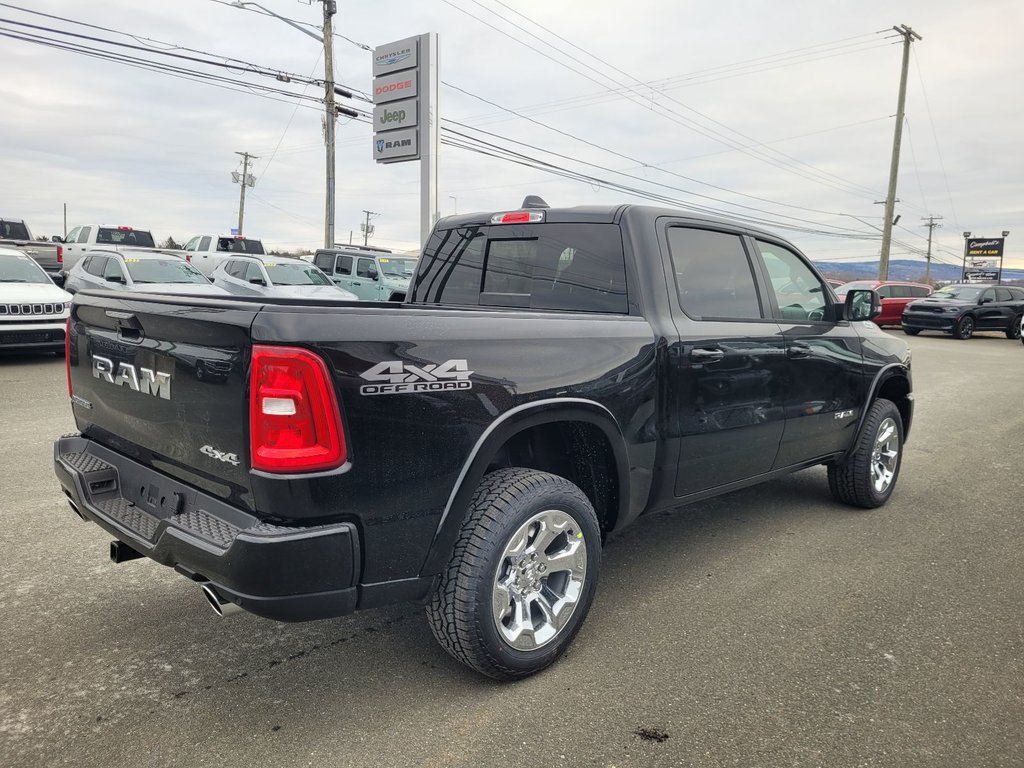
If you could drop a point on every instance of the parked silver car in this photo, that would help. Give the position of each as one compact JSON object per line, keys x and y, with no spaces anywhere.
{"x":276,"y":276}
{"x":138,"y":269}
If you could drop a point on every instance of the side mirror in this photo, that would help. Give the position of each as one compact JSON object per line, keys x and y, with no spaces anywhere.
{"x":56,"y":239}
{"x":373,"y":274}
{"x":59,"y":279}
{"x":114,"y":279}
{"x":987,"y":300}
{"x":257,"y":281}
{"x":862,"y":304}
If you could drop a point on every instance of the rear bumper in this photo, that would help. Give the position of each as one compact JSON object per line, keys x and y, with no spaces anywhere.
{"x":282,"y":573}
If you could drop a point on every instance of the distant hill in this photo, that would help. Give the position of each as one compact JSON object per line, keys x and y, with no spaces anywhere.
{"x":900,"y":269}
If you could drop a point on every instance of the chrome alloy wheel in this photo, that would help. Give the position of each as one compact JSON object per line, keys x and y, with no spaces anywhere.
{"x":885,"y":455}
{"x":539,"y":580}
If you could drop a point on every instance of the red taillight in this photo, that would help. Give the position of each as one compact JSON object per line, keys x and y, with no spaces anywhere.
{"x":125,"y":229}
{"x":188,"y":257}
{"x":294,"y":420}
{"x":67,"y":353}
{"x":60,"y":254}
{"x":239,"y":237}
{"x":518,"y":217}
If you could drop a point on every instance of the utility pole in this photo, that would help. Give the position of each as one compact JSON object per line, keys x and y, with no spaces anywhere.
{"x":330,"y":8}
{"x":368,"y":227}
{"x":65,"y":219}
{"x":243,"y":180}
{"x":933,"y":222}
{"x":909,"y":36}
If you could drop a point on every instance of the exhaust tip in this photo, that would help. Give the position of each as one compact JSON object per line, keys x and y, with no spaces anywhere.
{"x":220,"y":605}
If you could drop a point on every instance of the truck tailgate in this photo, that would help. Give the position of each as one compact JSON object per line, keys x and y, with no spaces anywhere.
{"x":162,"y":379}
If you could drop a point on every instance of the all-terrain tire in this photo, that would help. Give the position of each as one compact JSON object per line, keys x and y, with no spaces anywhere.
{"x":911,"y":331}
{"x":461,"y":611}
{"x":856,"y":480}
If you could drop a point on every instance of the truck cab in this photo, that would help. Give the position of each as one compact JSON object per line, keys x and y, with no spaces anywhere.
{"x":84,"y":238}
{"x":207,"y":251}
{"x":372,"y":274}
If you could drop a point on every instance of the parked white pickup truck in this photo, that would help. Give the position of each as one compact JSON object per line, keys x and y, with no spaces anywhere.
{"x":87,"y":237}
{"x":207,"y":251}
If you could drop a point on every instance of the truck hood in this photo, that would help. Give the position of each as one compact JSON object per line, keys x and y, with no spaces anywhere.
{"x":32,"y":293}
{"x":940,"y":302}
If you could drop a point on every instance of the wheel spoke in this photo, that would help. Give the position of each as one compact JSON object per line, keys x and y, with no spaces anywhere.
{"x":563,"y":559}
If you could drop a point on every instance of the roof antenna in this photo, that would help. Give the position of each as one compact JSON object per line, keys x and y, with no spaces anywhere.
{"x":533,"y":201}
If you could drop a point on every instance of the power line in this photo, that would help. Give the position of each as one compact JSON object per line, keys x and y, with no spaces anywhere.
{"x":667,"y":112}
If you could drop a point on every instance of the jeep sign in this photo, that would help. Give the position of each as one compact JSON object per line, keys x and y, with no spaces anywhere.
{"x":396,"y":114}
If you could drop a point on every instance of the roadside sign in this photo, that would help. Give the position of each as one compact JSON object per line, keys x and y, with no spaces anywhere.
{"x":395,"y":114}
{"x":396,"y":56}
{"x":395,"y":146}
{"x":401,"y":85}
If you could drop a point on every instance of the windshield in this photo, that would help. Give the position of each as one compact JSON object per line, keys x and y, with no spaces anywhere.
{"x":21,"y":269}
{"x":296,"y":274}
{"x":14,"y":230}
{"x":239,"y":245}
{"x":119,"y":236}
{"x":961,"y":292}
{"x":163,"y":271}
{"x":856,"y":285}
{"x":397,"y":267}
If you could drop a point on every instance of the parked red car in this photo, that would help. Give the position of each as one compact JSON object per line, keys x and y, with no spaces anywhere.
{"x":895,"y":296}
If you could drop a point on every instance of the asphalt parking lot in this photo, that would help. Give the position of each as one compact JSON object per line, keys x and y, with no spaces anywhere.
{"x":770,"y":627}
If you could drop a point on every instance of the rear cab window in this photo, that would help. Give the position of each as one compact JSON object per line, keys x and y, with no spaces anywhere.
{"x":549,"y":266}
{"x":239,"y":245}
{"x":124,"y":236}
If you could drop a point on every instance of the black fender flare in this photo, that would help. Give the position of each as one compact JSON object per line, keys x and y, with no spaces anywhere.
{"x":884,"y":374}
{"x":502,"y":429}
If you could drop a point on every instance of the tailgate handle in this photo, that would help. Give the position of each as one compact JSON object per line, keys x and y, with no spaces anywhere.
{"x":128,"y":326}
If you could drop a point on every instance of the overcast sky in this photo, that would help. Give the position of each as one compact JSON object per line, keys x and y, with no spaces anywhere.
{"x":784,"y":106}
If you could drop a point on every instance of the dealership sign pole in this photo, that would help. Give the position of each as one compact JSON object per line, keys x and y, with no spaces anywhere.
{"x":405,"y":114}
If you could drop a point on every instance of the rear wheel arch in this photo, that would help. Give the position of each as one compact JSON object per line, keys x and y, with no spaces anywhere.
{"x":579,"y":440}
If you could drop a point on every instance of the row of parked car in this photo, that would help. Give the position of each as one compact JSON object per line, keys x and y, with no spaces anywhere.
{"x":37,"y":279}
{"x":959,"y":309}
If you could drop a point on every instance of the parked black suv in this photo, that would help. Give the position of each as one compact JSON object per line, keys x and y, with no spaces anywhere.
{"x":965,"y":308}
{"x":553,"y":375}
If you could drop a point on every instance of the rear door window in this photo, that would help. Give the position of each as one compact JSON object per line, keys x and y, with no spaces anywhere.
{"x":1003,"y":294}
{"x":918,"y":290}
{"x":83,"y":236}
{"x":204,"y":244}
{"x":713,"y":274}
{"x":96,"y":264}
{"x":571,"y":267}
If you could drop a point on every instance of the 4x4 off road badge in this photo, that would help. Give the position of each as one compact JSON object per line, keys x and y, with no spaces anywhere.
{"x":393,"y":377}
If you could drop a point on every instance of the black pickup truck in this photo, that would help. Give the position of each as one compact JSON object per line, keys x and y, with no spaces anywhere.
{"x":552,"y":375}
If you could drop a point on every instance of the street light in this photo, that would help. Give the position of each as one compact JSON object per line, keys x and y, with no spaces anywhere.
{"x":330,"y":8}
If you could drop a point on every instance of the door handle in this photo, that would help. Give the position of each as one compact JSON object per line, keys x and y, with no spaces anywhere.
{"x":356,"y":282}
{"x":798,"y":350}
{"x":706,"y":355}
